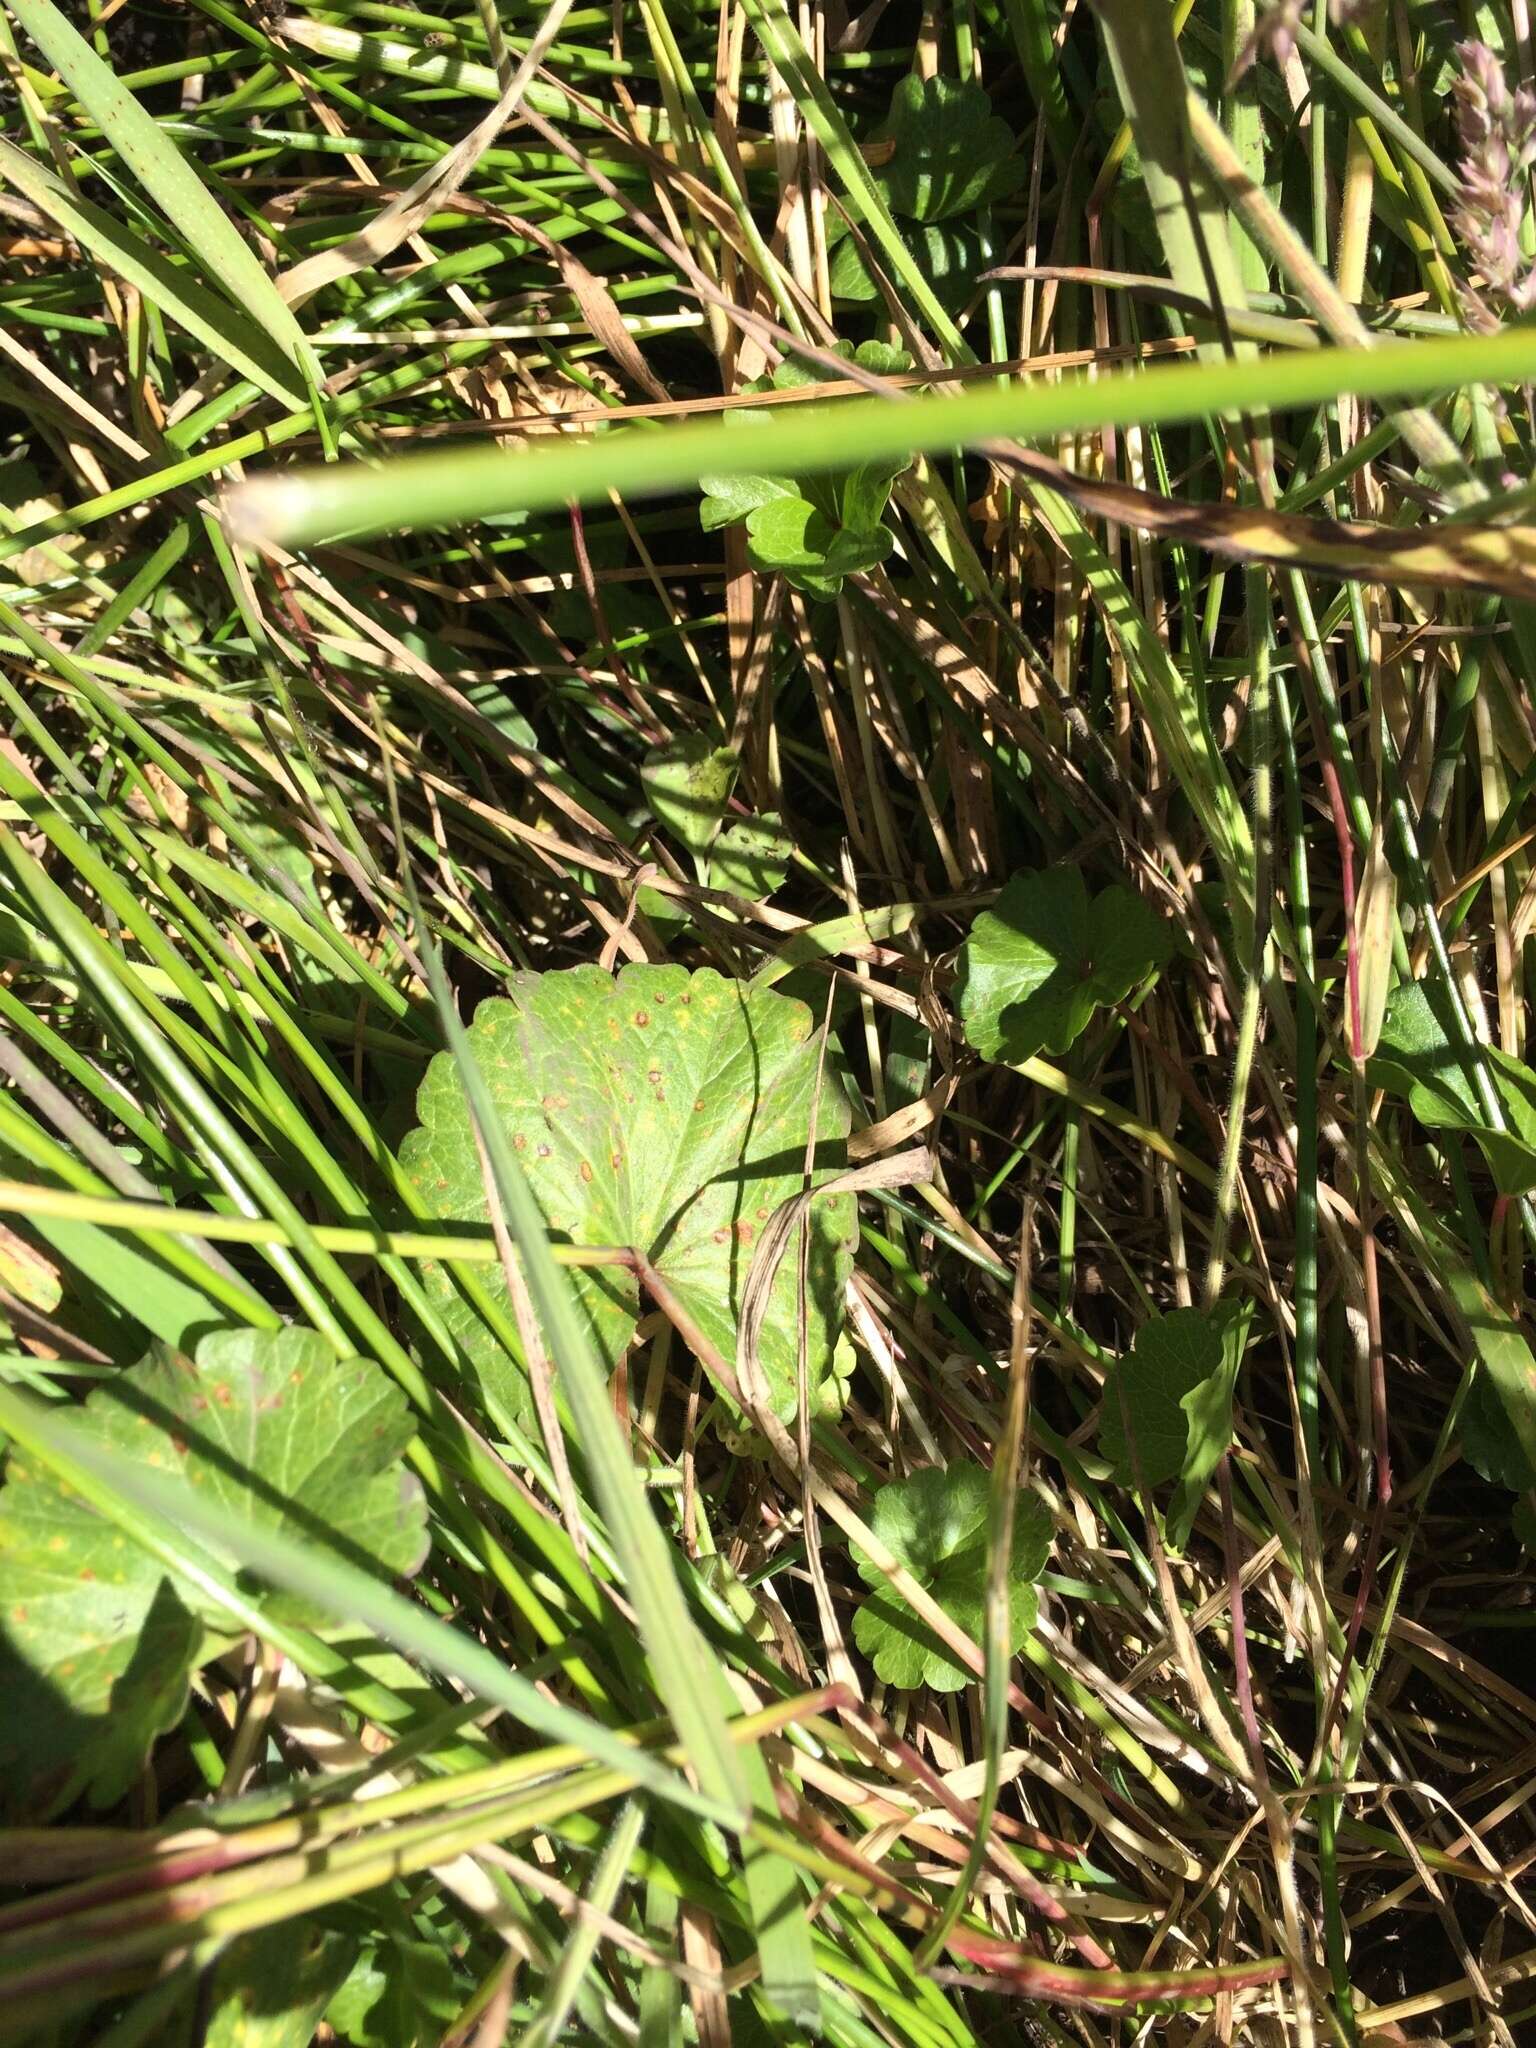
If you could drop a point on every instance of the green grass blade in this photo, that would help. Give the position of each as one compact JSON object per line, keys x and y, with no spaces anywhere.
{"x":219,"y":325}
{"x":782,"y":40}
{"x":165,"y":174}
{"x":686,"y":1675}
{"x":298,"y":509}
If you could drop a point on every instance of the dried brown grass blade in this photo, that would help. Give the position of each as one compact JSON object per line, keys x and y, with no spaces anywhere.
{"x":1439,"y":556}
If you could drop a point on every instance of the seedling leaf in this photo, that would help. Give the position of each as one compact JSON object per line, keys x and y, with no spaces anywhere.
{"x":400,"y":1994}
{"x":935,"y":1523}
{"x":96,"y":1641}
{"x":1417,"y":1059}
{"x":952,"y":153}
{"x":271,"y":1989}
{"x":688,"y":784}
{"x":1037,"y":966}
{"x":730,"y":498}
{"x":788,"y":534}
{"x":793,"y":537}
{"x":950,"y":253}
{"x":1167,"y":1410}
{"x":817,"y":531}
{"x":751,"y":857}
{"x":1492,"y":1448}
{"x":658,"y":1110}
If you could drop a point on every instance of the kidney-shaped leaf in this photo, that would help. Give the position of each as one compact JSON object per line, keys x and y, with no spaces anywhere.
{"x":96,"y":1639}
{"x":751,"y":857}
{"x":729,"y":498}
{"x":1037,"y":965}
{"x":660,"y":1110}
{"x":949,"y":252}
{"x":935,"y":1523}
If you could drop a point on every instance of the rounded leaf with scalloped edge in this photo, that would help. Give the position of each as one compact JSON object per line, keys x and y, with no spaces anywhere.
{"x":934,"y":1522}
{"x":661,"y":1111}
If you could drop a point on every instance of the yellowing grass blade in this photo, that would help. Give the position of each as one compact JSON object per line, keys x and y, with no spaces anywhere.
{"x":1375,"y":921}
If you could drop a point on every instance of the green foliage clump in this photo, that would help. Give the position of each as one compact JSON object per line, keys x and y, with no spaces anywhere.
{"x":813,"y":531}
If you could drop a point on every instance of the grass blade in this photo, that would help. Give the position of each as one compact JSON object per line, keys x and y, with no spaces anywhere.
{"x":214,"y":321}
{"x":165,"y":175}
{"x":298,"y":509}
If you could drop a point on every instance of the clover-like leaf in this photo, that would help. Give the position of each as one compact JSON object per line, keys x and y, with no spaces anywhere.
{"x":935,"y":1523}
{"x":789,"y":533}
{"x":1167,"y":1410}
{"x":1416,"y":1058}
{"x":688,"y":783}
{"x":882,"y":358}
{"x":952,"y":153}
{"x":855,"y":549}
{"x":97,"y":1639}
{"x":799,"y":541}
{"x":854,"y":500}
{"x":864,"y":493}
{"x":730,"y":498}
{"x":659,"y":1110}
{"x":1037,"y":965}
